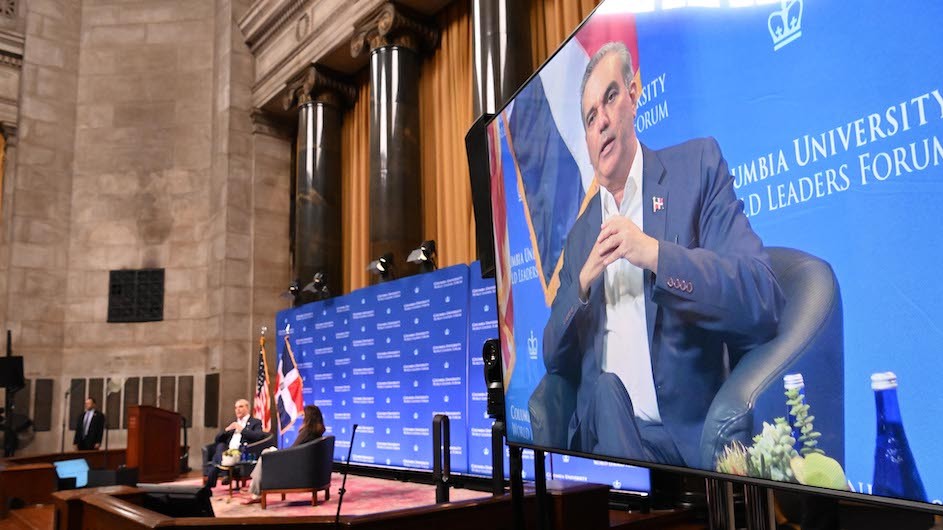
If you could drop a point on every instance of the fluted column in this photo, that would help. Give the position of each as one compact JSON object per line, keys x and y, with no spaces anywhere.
{"x":320,"y":97}
{"x":501,"y":48}
{"x":395,"y":39}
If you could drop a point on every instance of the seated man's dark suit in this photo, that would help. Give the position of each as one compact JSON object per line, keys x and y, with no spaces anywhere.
{"x":714,"y":287}
{"x":251,"y":433}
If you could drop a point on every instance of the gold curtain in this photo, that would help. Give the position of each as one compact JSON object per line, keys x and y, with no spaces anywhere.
{"x":445,"y":114}
{"x":355,"y":186}
{"x":552,"y":21}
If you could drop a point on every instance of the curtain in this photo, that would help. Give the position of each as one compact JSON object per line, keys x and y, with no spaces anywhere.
{"x":445,"y":114}
{"x":355,"y":186}
{"x":552,"y":21}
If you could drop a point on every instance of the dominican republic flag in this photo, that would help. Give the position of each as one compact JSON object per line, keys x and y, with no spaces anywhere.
{"x":288,"y":383}
{"x":547,"y":137}
{"x":262,"y":408}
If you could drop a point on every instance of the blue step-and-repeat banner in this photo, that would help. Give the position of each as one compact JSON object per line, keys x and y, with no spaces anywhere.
{"x":390,"y":357}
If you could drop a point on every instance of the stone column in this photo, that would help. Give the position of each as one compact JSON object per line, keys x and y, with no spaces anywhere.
{"x":394,"y":39}
{"x":501,"y":48}
{"x":320,"y":98}
{"x":6,"y":215}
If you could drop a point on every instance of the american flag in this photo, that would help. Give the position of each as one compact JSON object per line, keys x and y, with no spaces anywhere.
{"x":262,"y":407}
{"x":289,"y":385}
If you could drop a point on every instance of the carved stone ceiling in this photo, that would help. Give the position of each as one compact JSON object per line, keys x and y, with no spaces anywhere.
{"x":287,"y":35}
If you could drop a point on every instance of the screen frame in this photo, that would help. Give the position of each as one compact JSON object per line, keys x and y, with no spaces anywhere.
{"x":927,"y":507}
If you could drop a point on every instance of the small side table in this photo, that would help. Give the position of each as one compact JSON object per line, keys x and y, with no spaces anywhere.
{"x":238,"y":473}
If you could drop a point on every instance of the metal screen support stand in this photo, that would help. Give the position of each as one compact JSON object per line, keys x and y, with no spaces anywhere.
{"x":720,"y":513}
{"x":517,"y":486}
{"x":540,"y":484}
{"x":497,"y":458}
{"x":759,"y":507}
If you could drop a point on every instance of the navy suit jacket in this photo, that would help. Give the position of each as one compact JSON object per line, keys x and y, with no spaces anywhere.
{"x":251,"y":433}
{"x":714,"y":287}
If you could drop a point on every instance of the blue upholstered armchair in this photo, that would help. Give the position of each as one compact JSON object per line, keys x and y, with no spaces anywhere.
{"x":306,"y":467}
{"x":810,"y":341}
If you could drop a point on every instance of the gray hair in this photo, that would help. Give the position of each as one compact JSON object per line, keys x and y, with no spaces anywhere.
{"x":243,"y":400}
{"x":610,"y":47}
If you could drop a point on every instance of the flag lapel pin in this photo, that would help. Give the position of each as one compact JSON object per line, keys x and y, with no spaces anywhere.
{"x":658,"y":203}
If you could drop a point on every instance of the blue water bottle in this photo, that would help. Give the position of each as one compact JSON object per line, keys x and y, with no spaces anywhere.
{"x":794,"y":381}
{"x":895,"y":471}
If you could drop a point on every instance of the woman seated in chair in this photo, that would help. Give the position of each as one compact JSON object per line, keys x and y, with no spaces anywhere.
{"x":311,"y":429}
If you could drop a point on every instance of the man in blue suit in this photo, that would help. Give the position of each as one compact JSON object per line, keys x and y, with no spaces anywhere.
{"x":661,"y":276}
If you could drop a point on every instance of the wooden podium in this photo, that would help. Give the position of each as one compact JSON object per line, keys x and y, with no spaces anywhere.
{"x":154,"y":443}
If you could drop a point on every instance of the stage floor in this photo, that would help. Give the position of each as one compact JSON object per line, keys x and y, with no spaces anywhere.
{"x":365,"y":495}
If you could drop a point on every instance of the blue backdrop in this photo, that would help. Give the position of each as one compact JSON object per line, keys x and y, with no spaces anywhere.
{"x":391,"y":356}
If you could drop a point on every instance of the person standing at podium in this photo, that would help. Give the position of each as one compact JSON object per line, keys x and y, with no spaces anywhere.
{"x":89,"y":428}
{"x":244,"y":429}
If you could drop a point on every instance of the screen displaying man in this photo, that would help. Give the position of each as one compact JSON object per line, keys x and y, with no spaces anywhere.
{"x":661,"y":271}
{"x":243,"y":429}
{"x":90,"y":427}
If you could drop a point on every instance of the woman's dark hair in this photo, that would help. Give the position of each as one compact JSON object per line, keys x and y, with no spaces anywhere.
{"x":314,"y":421}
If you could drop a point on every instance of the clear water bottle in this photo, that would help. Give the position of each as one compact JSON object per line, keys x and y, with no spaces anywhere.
{"x":895,"y":470}
{"x":790,"y":382}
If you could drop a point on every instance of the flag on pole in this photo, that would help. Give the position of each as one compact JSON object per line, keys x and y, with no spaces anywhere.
{"x":262,"y":408}
{"x":289,"y":385}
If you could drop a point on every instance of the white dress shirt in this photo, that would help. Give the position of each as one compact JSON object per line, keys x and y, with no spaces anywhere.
{"x":625,"y":346}
{"x":237,"y":436}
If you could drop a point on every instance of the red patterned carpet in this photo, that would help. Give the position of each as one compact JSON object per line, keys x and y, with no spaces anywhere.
{"x":364,"y":495}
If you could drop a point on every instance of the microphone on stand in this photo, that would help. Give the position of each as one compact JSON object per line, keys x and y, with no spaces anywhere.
{"x":343,"y":490}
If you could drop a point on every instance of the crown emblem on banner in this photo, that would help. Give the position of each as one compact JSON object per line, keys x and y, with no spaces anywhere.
{"x":785,"y":24}
{"x":532,"y":345}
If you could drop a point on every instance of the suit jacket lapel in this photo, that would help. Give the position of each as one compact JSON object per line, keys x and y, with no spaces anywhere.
{"x":654,"y":223}
{"x":597,"y":298}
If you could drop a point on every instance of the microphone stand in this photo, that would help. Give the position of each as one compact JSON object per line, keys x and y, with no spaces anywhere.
{"x":343,"y":490}
{"x":65,"y":413}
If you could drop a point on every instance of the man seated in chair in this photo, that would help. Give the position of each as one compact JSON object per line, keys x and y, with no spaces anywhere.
{"x":244,"y":429}
{"x":661,"y":273}
{"x":311,"y":429}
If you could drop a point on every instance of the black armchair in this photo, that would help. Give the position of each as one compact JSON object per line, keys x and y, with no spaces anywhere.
{"x":255,"y":449}
{"x":306,"y":467}
{"x":810,"y":341}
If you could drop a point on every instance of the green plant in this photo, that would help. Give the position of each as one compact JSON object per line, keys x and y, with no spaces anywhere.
{"x":232,"y":452}
{"x":772,"y":452}
{"x":734,"y":460}
{"x":808,"y":437}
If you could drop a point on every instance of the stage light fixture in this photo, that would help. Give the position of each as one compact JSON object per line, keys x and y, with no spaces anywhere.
{"x":424,"y":256}
{"x":383,"y":267}
{"x":293,"y":293}
{"x":318,"y":286}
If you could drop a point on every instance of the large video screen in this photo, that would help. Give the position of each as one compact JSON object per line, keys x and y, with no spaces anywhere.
{"x":716,"y":230}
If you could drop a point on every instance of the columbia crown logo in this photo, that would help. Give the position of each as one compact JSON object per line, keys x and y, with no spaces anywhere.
{"x":532,"y":345}
{"x":785,"y":24}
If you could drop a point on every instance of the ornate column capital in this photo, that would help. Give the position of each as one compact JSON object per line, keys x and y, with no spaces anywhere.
{"x":392,"y":25}
{"x":317,"y":83}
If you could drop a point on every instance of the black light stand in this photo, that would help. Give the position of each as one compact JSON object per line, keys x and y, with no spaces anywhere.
{"x":497,"y":458}
{"x":442,"y":457}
